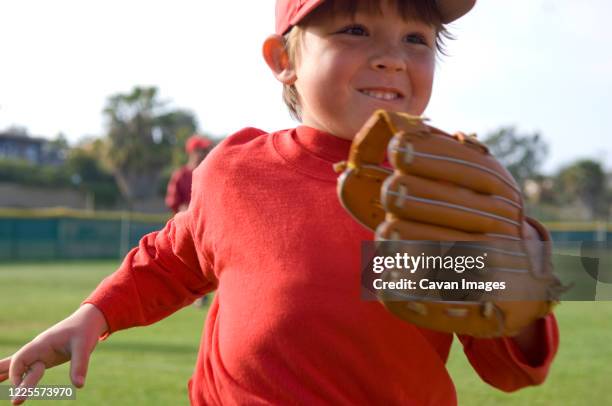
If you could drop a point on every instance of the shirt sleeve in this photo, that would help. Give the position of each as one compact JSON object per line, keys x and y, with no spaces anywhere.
{"x":500,"y":362}
{"x":163,"y":274}
{"x":173,"y":192}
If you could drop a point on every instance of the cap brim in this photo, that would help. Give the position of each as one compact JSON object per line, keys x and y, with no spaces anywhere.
{"x":450,"y":10}
{"x":299,"y":16}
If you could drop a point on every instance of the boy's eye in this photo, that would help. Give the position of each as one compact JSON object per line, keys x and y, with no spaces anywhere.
{"x":416,"y":39}
{"x":358,"y":30}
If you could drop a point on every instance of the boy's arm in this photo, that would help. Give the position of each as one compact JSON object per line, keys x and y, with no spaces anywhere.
{"x":513,"y":363}
{"x":163,"y":274}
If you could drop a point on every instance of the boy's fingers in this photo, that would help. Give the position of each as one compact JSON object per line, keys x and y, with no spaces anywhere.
{"x":16,"y":371}
{"x":5,"y":364}
{"x":33,"y":375}
{"x":21,"y":362}
{"x":79,"y":363}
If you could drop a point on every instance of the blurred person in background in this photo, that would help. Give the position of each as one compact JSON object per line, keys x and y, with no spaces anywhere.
{"x":178,"y":193}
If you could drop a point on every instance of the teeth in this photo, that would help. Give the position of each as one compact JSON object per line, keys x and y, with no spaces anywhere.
{"x":379,"y":94}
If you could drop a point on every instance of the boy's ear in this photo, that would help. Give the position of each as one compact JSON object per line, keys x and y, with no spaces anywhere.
{"x":277,"y":58}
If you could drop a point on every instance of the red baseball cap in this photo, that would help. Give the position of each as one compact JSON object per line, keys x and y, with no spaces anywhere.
{"x":291,"y":12}
{"x":197,"y":142}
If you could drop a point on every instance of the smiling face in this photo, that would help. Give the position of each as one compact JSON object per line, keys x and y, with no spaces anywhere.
{"x":347,"y":67}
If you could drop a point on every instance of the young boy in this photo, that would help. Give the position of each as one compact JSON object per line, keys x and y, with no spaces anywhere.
{"x":287,"y":325}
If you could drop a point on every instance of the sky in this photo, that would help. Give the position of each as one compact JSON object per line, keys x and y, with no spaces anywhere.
{"x":538,"y":65}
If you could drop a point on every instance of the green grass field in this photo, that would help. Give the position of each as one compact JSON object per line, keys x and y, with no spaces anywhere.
{"x":151,"y":365}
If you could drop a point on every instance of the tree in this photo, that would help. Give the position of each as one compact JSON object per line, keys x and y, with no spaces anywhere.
{"x":584,"y":181}
{"x":521,"y":154}
{"x":87,"y":173}
{"x":141,"y":132}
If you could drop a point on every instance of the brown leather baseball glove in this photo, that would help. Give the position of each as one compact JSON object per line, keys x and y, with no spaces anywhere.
{"x":441,"y":187}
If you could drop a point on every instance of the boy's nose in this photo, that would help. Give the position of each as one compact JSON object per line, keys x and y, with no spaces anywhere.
{"x":388,"y":62}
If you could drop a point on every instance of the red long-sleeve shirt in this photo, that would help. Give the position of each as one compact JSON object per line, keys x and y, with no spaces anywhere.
{"x":287,"y":325}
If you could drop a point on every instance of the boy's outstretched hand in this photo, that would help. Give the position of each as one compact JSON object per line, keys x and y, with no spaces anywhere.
{"x":73,"y":338}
